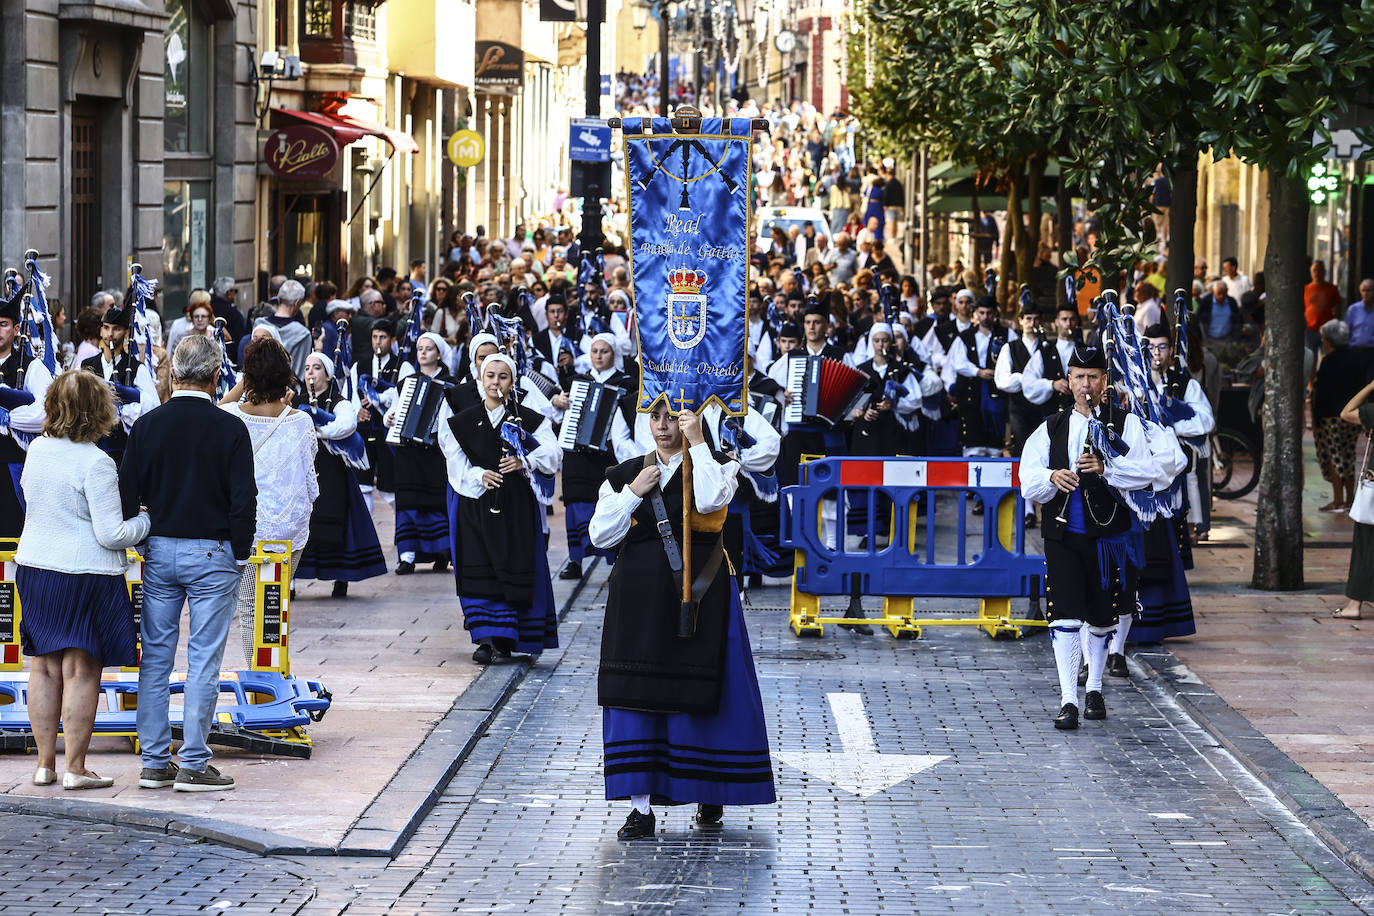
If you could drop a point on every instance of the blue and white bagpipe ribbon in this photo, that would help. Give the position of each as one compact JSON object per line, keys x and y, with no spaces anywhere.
{"x":227,"y":378}
{"x":141,"y":291}
{"x":351,"y":449}
{"x":14,"y":286}
{"x":990,"y":282}
{"x":414,"y":330}
{"x":40,"y":320}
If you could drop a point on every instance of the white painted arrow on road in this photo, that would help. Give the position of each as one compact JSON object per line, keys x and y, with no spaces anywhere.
{"x":859,"y":769}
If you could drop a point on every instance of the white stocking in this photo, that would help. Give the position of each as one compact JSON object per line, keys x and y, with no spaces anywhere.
{"x":1097,"y":638}
{"x":1123,"y":626}
{"x":641,"y":804}
{"x":1067,"y":653}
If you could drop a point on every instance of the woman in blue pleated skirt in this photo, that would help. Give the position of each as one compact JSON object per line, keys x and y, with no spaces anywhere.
{"x":75,"y":612}
{"x":682,"y":717}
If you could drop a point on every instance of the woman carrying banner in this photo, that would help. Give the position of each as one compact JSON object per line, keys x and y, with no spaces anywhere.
{"x":501,"y":565}
{"x":682,"y":718}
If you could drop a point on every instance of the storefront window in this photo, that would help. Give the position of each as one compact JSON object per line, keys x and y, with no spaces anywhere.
{"x":306,"y":235}
{"x":185,"y":243}
{"x":187,"y":54}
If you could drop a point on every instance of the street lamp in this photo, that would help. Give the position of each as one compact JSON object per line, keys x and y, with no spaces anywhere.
{"x":639,"y":14}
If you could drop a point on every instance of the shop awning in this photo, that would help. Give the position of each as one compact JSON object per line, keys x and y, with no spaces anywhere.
{"x":350,"y":130}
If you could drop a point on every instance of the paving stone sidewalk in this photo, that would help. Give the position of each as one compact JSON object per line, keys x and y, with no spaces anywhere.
{"x":395,"y":655}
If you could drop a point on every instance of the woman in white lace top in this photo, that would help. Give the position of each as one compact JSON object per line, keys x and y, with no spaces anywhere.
{"x":284,"y":447}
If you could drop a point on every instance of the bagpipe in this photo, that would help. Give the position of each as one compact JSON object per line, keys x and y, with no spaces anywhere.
{"x":36,"y":339}
{"x":589,"y":311}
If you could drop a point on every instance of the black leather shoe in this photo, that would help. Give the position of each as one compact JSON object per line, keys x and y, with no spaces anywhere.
{"x":1083,"y":674}
{"x":405,"y":568}
{"x":482,"y":654}
{"x":340,"y":590}
{"x":1067,"y":720}
{"x":441,"y":565}
{"x":862,"y":629}
{"x":1095,"y":707}
{"x":709,"y":815}
{"x":755,"y":580}
{"x":636,"y":826}
{"x":573,"y":570}
{"x":1116,"y":665}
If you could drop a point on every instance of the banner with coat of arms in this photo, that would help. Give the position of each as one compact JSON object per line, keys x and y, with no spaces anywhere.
{"x":689,"y":247}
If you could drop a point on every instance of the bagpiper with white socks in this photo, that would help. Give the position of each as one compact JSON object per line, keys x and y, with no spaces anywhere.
{"x":135,"y":392}
{"x":24,"y":382}
{"x":1079,"y":464}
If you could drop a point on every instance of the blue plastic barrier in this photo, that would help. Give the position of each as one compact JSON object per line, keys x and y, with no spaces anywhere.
{"x":998,"y":571}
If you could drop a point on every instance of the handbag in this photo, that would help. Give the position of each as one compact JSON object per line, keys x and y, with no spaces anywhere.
{"x":1362,"y":506}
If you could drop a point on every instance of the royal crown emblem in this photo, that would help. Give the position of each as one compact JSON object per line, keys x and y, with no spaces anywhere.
{"x":686,"y":307}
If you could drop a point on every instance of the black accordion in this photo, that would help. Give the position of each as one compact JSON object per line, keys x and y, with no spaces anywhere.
{"x":417,"y":411}
{"x":587,"y":421}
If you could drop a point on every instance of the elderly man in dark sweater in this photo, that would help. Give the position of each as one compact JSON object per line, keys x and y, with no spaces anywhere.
{"x":191,"y":464}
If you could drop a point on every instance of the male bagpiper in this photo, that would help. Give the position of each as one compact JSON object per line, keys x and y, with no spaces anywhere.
{"x":1078,"y":463}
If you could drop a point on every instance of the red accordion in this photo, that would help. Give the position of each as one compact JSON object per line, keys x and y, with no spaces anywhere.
{"x":823,"y":389}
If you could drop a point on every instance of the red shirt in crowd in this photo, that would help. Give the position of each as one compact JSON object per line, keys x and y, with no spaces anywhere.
{"x":1319,"y":302}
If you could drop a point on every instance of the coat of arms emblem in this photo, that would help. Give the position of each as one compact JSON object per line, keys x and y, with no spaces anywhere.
{"x":686,"y":308}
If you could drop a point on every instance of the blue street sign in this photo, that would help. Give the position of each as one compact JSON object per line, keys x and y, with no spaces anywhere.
{"x":590,"y":140}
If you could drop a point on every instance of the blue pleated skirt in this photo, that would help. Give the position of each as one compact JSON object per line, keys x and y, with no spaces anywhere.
{"x":71,"y":611}
{"x":356,"y":557}
{"x":577,"y":516}
{"x":514,"y":627}
{"x":1166,"y":606}
{"x":718,"y":758}
{"x":424,"y":532}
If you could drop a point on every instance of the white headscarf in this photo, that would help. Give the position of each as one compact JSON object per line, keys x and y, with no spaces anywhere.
{"x":609,"y":340}
{"x":502,"y":358}
{"x":484,"y":338}
{"x":271,"y":330}
{"x":879,"y":327}
{"x":438,"y":342}
{"x":325,"y":361}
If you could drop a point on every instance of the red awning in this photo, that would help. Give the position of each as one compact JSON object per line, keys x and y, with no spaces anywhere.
{"x":349,"y":129}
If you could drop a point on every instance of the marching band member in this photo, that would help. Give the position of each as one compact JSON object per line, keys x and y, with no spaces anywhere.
{"x":809,"y":438}
{"x":969,"y":376}
{"x":422,"y":531}
{"x":135,"y":392}
{"x":502,"y":567}
{"x":1024,"y":415}
{"x":1071,"y":465}
{"x":584,"y":470}
{"x":377,"y":376}
{"x":343,"y":543}
{"x":1044,"y":380}
{"x":1166,"y":607}
{"x":937,"y":332}
{"x":24,"y":382}
{"x":682,"y":717}
{"x":879,"y":427}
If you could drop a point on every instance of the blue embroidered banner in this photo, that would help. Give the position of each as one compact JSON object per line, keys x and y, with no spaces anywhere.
{"x":689,"y":260}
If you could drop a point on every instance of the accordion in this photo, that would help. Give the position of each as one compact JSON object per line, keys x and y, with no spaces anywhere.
{"x":768,"y":408}
{"x":823,"y":389}
{"x":417,"y":410}
{"x":545,"y":385}
{"x":587,"y":421}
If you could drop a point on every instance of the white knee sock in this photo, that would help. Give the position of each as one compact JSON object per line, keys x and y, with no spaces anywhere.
{"x":641,"y":803}
{"x":388,"y":498}
{"x":1097,"y":637}
{"x":1067,"y":652}
{"x":1123,"y":626}
{"x":407,"y":556}
{"x":367,"y":497}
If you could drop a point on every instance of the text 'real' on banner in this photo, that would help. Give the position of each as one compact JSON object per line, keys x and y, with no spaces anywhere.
{"x":689,"y":260}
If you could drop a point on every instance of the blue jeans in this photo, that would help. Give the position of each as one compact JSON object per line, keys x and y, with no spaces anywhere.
{"x":203,"y":575}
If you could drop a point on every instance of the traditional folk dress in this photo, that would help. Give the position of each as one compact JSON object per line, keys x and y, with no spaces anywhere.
{"x":343,"y":544}
{"x":501,"y":564}
{"x":21,"y":420}
{"x":682,"y":718}
{"x":1166,"y":605}
{"x":1091,"y":558}
{"x":585,"y":470}
{"x":422,"y":494}
{"x":135,"y":394}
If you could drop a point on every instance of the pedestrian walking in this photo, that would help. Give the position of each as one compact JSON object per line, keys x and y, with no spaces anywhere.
{"x":284,"y":447}
{"x":682,"y":716}
{"x":1359,"y":583}
{"x":191,"y":464}
{"x":1340,"y":375}
{"x":70,"y":576}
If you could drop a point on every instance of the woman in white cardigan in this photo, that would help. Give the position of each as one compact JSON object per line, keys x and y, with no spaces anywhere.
{"x":77,"y":617}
